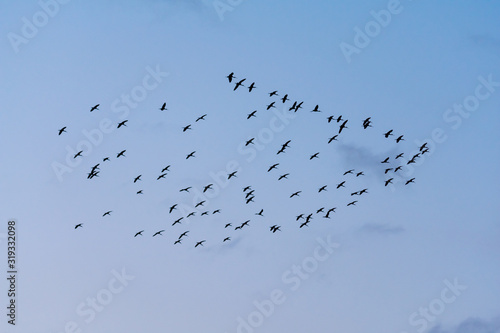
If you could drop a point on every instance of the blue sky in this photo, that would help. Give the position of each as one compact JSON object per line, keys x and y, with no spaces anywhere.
{"x":420,"y":257}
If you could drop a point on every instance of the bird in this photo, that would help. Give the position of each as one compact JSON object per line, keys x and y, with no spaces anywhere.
{"x":185,"y":128}
{"x":230,"y":77}
{"x":333,"y":138}
{"x":388,"y":181}
{"x":186,"y":189}
{"x":207,"y":187}
{"x":165,"y":168}
{"x":250,"y":200}
{"x":250,"y":141}
{"x":201,"y":117}
{"x":246,"y":188}
{"x":284,"y":176}
{"x":274,"y":166}
{"x":293,"y":106}
{"x":315,"y":155}
{"x":79,"y":225}
{"x":122,"y":153}
{"x":330,"y":118}
{"x":298,"y":217}
{"x":190,"y":214}
{"x":285,"y":98}
{"x":177,"y":242}
{"x":227,"y":225}
{"x":398,"y":168}
{"x":410,"y":181}
{"x":137,"y":178}
{"x":183,"y":234}
{"x":304,"y":224}
{"x":62,"y":130}
{"x":341,"y":184}
{"x":78,"y":154}
{"x":339,"y":118}
{"x":161,"y":176}
{"x":191,"y":154}
{"x":343,"y":126}
{"x":249,"y":193}
{"x":275,"y":228}
{"x":216,"y":211}
{"x":399,"y":156}
{"x":200,"y":243}
{"x":261,"y":212}
{"x":199,"y":204}
{"x":422,"y":146}
{"x":251,"y":87}
{"x":367,"y":123}
{"x":386,"y":160}
{"x":387,"y":170}
{"x":352,"y":203}
{"x":251,"y":114}
{"x":158,"y":233}
{"x":270,"y":106}
{"x":320,"y":210}
{"x":239,"y":83}
{"x":107,"y":213}
{"x":355,"y":193}
{"x":271,"y":94}
{"x":316,"y":109}
{"x":95,"y":107}
{"x":92,"y":174}
{"x":204,"y":213}
{"x":232,"y":174}
{"x":348,"y":171}
{"x":105,"y":159}
{"x":174,"y":206}
{"x":360,"y":174}
{"x":138,"y":233}
{"x":298,"y":106}
{"x":322,"y":188}
{"x":295,"y":194}
{"x":226,"y":239}
{"x":139,"y":192}
{"x":120,"y":124}
{"x":285,"y":145}
{"x":399,"y":138}
{"x":163,"y":107}
{"x":388,"y":133}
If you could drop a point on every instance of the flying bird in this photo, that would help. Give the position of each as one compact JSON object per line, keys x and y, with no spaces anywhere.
{"x":120,"y":124}
{"x":315,"y":155}
{"x":333,"y":138}
{"x":295,"y":194}
{"x":410,"y":181}
{"x":274,"y":166}
{"x":79,"y":225}
{"x":388,"y":133}
{"x":163,"y":107}
{"x":352,"y":203}
{"x":158,"y":233}
{"x":230,"y":77}
{"x":107,"y":213}
{"x":137,"y":178}
{"x":399,"y":138}
{"x":161,"y":176}
{"x":122,"y":153}
{"x":185,"y":128}
{"x":95,"y":107}
{"x":285,"y":98}
{"x":200,"y":243}
{"x":186,"y":189}
{"x":207,"y":187}
{"x":190,"y":155}
{"x":172,"y":208}
{"x":261,"y":212}
{"x":343,"y":126}
{"x":78,"y":154}
{"x":251,"y":87}
{"x":270,"y":106}
{"x":388,"y":181}
{"x":138,"y":233}
{"x":239,"y":83}
{"x":322,"y":188}
{"x":251,"y":114}
{"x":386,"y":160}
{"x":271,"y":94}
{"x":62,"y":130}
{"x":316,"y":109}
{"x":201,"y":118}
{"x":284,"y":176}
{"x":348,"y":171}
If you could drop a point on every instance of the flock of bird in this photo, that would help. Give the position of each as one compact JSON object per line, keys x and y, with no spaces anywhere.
{"x":394,"y":166}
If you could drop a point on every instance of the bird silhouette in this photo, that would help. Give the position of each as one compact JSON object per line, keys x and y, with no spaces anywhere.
{"x":200,"y":243}
{"x":352,"y":203}
{"x":295,"y":194}
{"x":62,"y":130}
{"x":316,"y":109}
{"x":273,"y":93}
{"x":185,"y":128}
{"x":190,"y":155}
{"x":386,"y":160}
{"x":348,"y":172}
{"x":139,"y":192}
{"x":122,"y":153}
{"x":186,"y":189}
{"x":251,"y":87}
{"x":260,"y":213}
{"x":285,"y":98}
{"x":201,"y":203}
{"x":107,"y":213}
{"x":138,"y":233}
{"x":201,"y":117}
{"x":192,"y":213}
{"x":230,"y":77}
{"x":165,"y":168}
{"x":79,"y":225}
{"x":399,"y":138}
{"x":322,"y":188}
{"x":227,"y":225}
{"x":163,"y":107}
{"x":333,"y":138}
{"x":341,"y":184}
{"x":249,"y":142}
{"x":388,"y":181}
{"x":315,"y":155}
{"x":410,"y":181}
{"x":120,"y":124}
{"x":174,"y":206}
{"x":137,"y":178}
{"x":78,"y":154}
{"x":158,"y":233}
{"x":270,"y":106}
{"x":399,"y":156}
{"x":360,"y":174}
{"x":232,"y":174}
{"x":226,"y":239}
{"x":95,"y":107}
{"x":251,"y":114}
{"x":274,"y":166}
{"x":239,"y":83}
{"x":343,"y":126}
{"x":246,"y":188}
{"x":207,"y":187}
{"x":284,"y":176}
{"x":388,"y":133}
{"x":161,"y":176}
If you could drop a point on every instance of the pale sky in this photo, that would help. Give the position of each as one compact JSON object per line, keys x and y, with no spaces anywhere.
{"x":421,"y":257}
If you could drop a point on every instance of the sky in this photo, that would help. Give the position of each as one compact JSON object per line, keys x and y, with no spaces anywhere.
{"x":421,"y":257}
